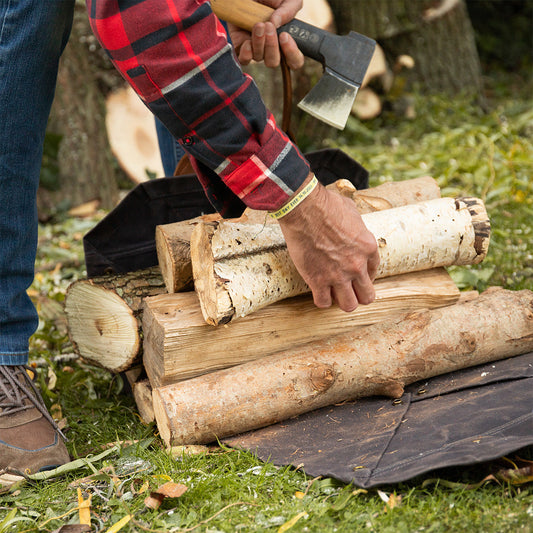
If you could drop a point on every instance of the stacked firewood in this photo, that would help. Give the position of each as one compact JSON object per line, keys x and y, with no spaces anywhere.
{"x":227,"y":334}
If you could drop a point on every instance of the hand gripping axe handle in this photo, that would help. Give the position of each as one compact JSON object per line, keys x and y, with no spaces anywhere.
{"x":345,"y":58}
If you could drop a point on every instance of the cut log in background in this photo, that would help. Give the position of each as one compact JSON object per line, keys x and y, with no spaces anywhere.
{"x":173,"y":240}
{"x":378,"y":360}
{"x":105,"y":313}
{"x":178,"y":344}
{"x":241,"y":268}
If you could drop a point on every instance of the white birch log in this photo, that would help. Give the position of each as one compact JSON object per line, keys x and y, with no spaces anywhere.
{"x":241,"y":268}
{"x":173,"y":240}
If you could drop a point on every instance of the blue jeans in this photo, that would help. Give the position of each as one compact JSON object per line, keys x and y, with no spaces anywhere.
{"x":170,"y":150}
{"x":33,"y":34}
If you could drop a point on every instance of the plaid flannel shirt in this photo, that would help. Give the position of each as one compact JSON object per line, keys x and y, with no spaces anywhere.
{"x":175,"y":54}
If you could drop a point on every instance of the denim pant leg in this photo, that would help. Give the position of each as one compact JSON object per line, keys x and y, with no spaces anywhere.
{"x":33,"y":34}
{"x":170,"y":150}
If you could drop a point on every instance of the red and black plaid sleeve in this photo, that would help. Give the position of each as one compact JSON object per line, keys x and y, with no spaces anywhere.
{"x":176,"y":56}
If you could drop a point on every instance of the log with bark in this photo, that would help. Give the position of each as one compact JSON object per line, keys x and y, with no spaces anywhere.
{"x":178,"y":344}
{"x":105,"y":314}
{"x":173,"y":240}
{"x":379,"y":360}
{"x":241,"y":268}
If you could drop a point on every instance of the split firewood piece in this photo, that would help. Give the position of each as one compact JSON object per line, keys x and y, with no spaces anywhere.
{"x":142,"y":392}
{"x":240,"y":268}
{"x":173,"y":240}
{"x":104,"y":316}
{"x":178,"y":344}
{"x":377,"y":360}
{"x":173,"y":246}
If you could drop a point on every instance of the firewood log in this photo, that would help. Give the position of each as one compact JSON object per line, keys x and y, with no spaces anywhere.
{"x":173,"y":240}
{"x":104,"y":316}
{"x":178,"y":344}
{"x":241,"y":268}
{"x":378,"y":360}
{"x":142,"y":392}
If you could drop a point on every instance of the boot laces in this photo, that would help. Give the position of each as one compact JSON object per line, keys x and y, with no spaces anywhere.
{"x":18,"y":393}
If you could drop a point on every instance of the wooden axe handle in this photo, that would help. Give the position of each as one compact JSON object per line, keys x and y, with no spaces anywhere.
{"x":241,"y":13}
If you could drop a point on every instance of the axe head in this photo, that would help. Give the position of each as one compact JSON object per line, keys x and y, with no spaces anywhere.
{"x":345,"y":60}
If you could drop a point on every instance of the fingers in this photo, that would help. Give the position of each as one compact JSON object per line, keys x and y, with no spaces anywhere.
{"x":347,"y":296}
{"x":295,"y":58}
{"x":372,"y":266}
{"x":265,"y":44}
{"x":285,"y":11}
{"x":364,"y":291}
{"x":245,"y":53}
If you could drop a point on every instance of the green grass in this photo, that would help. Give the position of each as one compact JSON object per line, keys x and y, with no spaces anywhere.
{"x":470,"y":152}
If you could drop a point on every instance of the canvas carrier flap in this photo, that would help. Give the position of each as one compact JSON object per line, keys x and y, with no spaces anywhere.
{"x":461,"y":418}
{"x":124,"y":240}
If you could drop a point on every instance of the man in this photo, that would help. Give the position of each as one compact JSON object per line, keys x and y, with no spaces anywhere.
{"x":176,"y":56}
{"x":218,"y":117}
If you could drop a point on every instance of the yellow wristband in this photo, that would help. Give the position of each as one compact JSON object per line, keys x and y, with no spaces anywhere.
{"x":291,"y":204}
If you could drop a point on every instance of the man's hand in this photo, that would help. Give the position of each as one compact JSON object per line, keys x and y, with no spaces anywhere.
{"x":262,"y":44}
{"x":332,"y":249}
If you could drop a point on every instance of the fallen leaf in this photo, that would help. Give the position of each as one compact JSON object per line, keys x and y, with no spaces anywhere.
{"x":85,"y":210}
{"x":291,"y":522}
{"x":120,"y":524}
{"x":189,"y":449}
{"x":167,"y":490}
{"x":395,"y":500}
{"x":384,"y":496}
{"x":52,"y":379}
{"x":516,"y":476}
{"x":84,"y":509}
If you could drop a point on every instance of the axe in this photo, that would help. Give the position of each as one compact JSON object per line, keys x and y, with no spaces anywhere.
{"x":345,"y":58}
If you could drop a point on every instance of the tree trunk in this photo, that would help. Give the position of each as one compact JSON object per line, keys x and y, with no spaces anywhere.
{"x":173,"y":240}
{"x":105,"y":315}
{"x":85,"y":164}
{"x":437,"y":35}
{"x":379,"y":360}
{"x":179,"y":345}
{"x":241,"y":268}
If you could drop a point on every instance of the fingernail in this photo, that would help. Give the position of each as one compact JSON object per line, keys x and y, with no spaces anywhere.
{"x":260,"y":30}
{"x":270,"y":29}
{"x":283,"y":37}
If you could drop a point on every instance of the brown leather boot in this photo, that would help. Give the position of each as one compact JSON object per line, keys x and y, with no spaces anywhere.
{"x":30,"y":440}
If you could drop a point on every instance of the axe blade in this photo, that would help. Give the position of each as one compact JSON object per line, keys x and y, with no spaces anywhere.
{"x":345,"y":60}
{"x":330,"y":100}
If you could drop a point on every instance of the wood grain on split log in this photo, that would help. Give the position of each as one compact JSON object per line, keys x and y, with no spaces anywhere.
{"x":240,"y":268}
{"x":377,"y":360}
{"x":142,"y":392}
{"x":173,"y":246}
{"x":178,"y":344}
{"x":104,"y":316}
{"x":173,"y":240}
